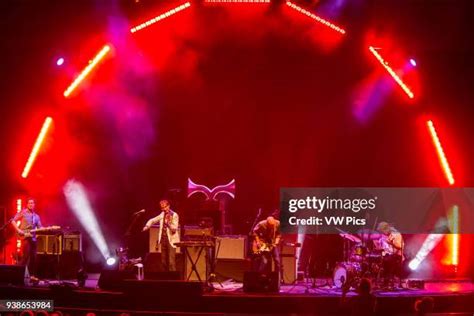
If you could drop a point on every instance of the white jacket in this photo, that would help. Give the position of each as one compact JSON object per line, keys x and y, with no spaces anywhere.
{"x":173,"y":225}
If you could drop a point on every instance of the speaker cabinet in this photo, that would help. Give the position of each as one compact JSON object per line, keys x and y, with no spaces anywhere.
{"x":12,"y":274}
{"x":231,"y":247}
{"x":256,"y":282}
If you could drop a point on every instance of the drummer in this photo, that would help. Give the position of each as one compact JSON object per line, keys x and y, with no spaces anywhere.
{"x":391,"y":243}
{"x":391,"y":240}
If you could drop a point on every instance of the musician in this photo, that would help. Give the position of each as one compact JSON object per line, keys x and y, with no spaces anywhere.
{"x":29,"y":220}
{"x":391,"y":243}
{"x":267,"y":237}
{"x":169,"y":223}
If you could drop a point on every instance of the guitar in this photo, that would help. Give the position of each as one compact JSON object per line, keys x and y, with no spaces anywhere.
{"x":259,"y":248}
{"x":29,"y":233}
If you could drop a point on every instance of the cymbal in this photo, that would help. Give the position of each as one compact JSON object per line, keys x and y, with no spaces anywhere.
{"x":368,"y":234}
{"x":350,"y":237}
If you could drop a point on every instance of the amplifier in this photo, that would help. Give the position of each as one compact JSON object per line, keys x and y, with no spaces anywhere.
{"x":191,"y":232}
{"x":72,"y":242}
{"x":288,"y":261}
{"x":49,"y":244}
{"x":231,"y":247}
{"x":289,"y":269}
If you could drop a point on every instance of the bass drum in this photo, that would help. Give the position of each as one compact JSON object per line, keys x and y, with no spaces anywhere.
{"x":344,"y":272}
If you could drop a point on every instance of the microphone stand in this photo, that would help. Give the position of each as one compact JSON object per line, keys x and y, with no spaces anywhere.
{"x":128,"y":232}
{"x":135,"y":216}
{"x":6,"y":223}
{"x":4,"y":247}
{"x":255,"y":221}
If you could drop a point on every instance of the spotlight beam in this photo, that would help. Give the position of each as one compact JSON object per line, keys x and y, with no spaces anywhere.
{"x":87,"y":70}
{"x":36,"y":147}
{"x":78,"y":202}
{"x":159,"y":17}
{"x":441,"y":155}
{"x":389,"y":69}
{"x":315,"y":17}
{"x":428,"y":245}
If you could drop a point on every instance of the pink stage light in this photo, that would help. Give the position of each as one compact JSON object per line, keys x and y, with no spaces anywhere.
{"x":439,"y":149}
{"x":37,"y":146}
{"x":315,"y":17}
{"x":100,"y":55}
{"x":160,"y":17}
{"x":237,"y":1}
{"x":392,"y":72}
{"x":228,"y":189}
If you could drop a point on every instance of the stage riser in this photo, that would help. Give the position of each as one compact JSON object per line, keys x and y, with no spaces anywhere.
{"x":236,"y":303}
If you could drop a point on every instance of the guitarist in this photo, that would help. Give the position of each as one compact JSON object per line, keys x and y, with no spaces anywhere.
{"x":29,"y":220}
{"x":267,"y":236}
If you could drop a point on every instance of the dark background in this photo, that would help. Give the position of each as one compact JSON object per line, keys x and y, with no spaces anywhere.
{"x":259,"y":94}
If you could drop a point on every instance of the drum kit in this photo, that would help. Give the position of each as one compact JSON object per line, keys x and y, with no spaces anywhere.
{"x":363,"y":258}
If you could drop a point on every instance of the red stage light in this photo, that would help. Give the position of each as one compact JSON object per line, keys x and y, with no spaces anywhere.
{"x":455,"y":236}
{"x":86,"y":70}
{"x":237,"y":1}
{"x":37,"y":146}
{"x":160,"y":17}
{"x":442,"y":157}
{"x":391,"y":72}
{"x":18,"y":240}
{"x":315,"y":17}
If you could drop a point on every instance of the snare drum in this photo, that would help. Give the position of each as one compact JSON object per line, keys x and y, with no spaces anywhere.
{"x":344,"y":272}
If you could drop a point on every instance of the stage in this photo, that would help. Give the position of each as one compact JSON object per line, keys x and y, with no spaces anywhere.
{"x":450,"y":296}
{"x":147,"y":142}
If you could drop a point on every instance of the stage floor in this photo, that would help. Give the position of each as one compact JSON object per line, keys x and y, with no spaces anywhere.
{"x":453,"y":296}
{"x":303,"y":288}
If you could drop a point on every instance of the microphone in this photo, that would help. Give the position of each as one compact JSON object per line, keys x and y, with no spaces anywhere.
{"x":139,"y":212}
